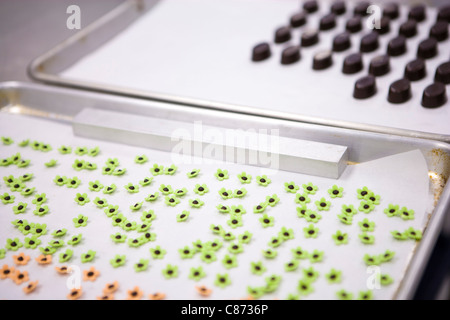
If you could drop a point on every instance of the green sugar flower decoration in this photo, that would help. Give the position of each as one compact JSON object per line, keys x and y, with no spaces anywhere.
{"x":385,"y":279}
{"x":340,"y":238}
{"x":16,"y":185}
{"x":41,"y":210}
{"x":244,"y":178}
{"x":32,"y":242}
{"x":263,"y":180}
{"x":400,"y":235}
{"x":76,"y":239}
{"x":245,"y":237}
{"x":344,"y":295}
{"x":310,"y":231}
{"x":291,"y":187}
{"x":304,"y":287}
{"x":366,"y":206}
{"x":7,"y":198}
{"x":312,"y":216}
{"x":7,"y":141}
{"x":323,"y":204}
{"x":79,"y":164}
{"x":171,"y":201}
{"x":141,"y":159}
{"x":348,"y":210}
{"x":148,"y":216}
{"x":195,"y":203}
{"x":345,"y":219}
{"x":276,"y":241}
{"x":406,"y":214}
{"x":166,"y":189}
{"x":392,"y":210}
{"x":269,"y":253}
{"x":225,"y":194}
{"x":228,"y":236}
{"x":208,"y":256}
{"x":372,"y":197}
{"x":336,"y":192}
{"x":47,"y":250}
{"x":51,"y":163}
{"x":229,"y":261}
{"x":334,"y":276}
{"x":146,"y":181}
{"x":414,"y":234}
{"x":95,"y":186}
{"x":39,"y":199}
{"x":221,"y":174}
{"x":260,"y":207}
{"x":316,"y":256}
{"x":198,"y":245}
{"x":81,"y":199}
{"x":235,"y":221}
{"x":27,"y":191}
{"x":223,"y":209}
{"x":239,"y":210}
{"x":286,"y":234}
{"x":222,"y":280}
{"x":20,"y":208}
{"x":310,"y":274}
{"x":100,"y":203}
{"x":299,"y":253}
{"x":267,"y":221}
{"x":257,"y":268}
{"x":39,"y":229}
{"x":193,"y":173}
{"x":157,"y":252}
{"x":111,"y":210}
{"x":73,"y":182}
{"x":81,"y":151}
{"x":93,"y":152}
{"x":23,"y":163}
{"x":36,"y":145}
{"x":240,"y":193}
{"x":88,"y":256}
{"x":183,"y":216}
{"x":108,"y":169}
{"x":65,"y":256}
{"x":152,"y":197}
{"x":80,"y":221}
{"x":197,"y":274}
{"x":387,"y":256}
{"x":361,"y":193}
{"x":25,"y":227}
{"x":217,"y":229}
{"x":170,"y":170}
{"x":118,"y":237}
{"x":113,"y":162}
{"x":302,"y":198}
{"x":236,"y":248}
{"x":255,"y":292}
{"x":143,"y":227}
{"x":366,"y":225}
{"x":141,"y":265}
{"x":170,"y":271}
{"x":135,"y":243}
{"x":365,"y":295}
{"x":132,"y":188}
{"x":291,"y":265}
{"x":201,"y":189}
{"x":272,"y":200}
{"x":186,"y":252}
{"x":118,"y":260}
{"x":24,"y":143}
{"x":366,"y":238}
{"x":65,"y":149}
{"x":128,"y":225}
{"x":119,"y":171}
{"x":180,"y":192}
{"x":310,"y":188}
{"x":5,"y":162}
{"x":59,"y":232}
{"x":26,"y":177}
{"x":136,"y":206}
{"x":13,"y":244}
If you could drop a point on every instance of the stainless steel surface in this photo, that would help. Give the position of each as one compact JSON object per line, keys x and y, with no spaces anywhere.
{"x":62,"y":104}
{"x":46,"y":68}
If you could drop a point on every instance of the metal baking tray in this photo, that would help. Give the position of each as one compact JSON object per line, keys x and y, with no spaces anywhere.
{"x":47,"y":68}
{"x":63,"y":104}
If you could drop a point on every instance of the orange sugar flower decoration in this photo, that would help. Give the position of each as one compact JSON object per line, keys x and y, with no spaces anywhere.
{"x":107,"y":296}
{"x":203,"y":290}
{"x":157,"y":296}
{"x":91,"y":274}
{"x":21,"y":259}
{"x":30,"y":287}
{"x":75,"y":293}
{"x":63,"y":269}
{"x":6,"y":272}
{"x":44,"y":259}
{"x":135,"y":294}
{"x":110,"y":287}
{"x":20,"y":277}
